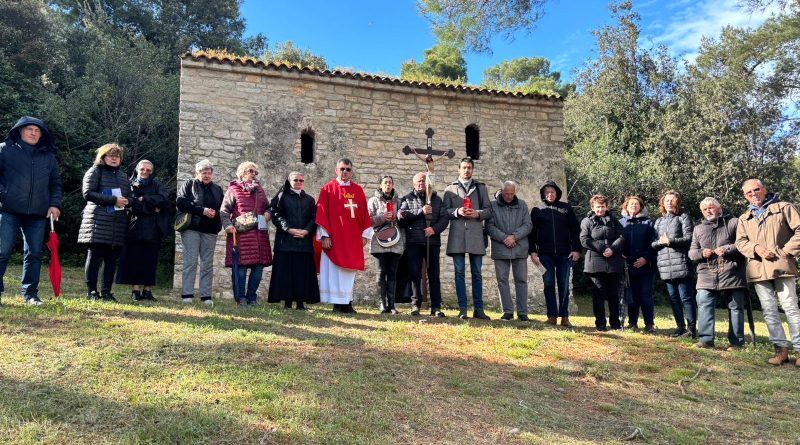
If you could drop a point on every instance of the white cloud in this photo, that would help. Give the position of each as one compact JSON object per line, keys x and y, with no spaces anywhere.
{"x":683,"y":24}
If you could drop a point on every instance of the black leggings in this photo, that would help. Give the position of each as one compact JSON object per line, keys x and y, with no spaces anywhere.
{"x":107,"y":255}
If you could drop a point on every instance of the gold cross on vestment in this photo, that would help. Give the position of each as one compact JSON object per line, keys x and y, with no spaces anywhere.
{"x":352,"y":208}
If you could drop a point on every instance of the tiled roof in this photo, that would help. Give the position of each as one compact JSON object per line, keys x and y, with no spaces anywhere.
{"x":249,"y":61}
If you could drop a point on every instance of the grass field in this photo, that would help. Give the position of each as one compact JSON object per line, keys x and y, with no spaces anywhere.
{"x":80,"y":372}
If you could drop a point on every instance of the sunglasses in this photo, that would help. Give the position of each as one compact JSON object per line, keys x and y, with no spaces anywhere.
{"x":252,"y":172}
{"x":298,"y":180}
{"x":345,"y":169}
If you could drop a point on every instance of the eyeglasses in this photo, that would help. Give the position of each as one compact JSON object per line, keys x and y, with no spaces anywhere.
{"x":297,"y":180}
{"x":252,"y":172}
{"x":112,"y":156}
{"x":345,"y":169}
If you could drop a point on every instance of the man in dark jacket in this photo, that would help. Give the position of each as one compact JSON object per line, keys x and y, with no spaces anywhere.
{"x":554,"y":243}
{"x":720,"y":272}
{"x":423,"y":224}
{"x":30,"y":192}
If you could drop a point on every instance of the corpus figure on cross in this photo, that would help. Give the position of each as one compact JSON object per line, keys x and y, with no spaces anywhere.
{"x":343,"y":228}
{"x":429,"y":160}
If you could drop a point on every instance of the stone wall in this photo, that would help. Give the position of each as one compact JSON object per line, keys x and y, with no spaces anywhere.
{"x":231,"y":112}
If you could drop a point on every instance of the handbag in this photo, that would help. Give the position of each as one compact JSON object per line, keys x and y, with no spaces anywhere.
{"x":245,"y":222}
{"x":387,"y":234}
{"x":182,"y":221}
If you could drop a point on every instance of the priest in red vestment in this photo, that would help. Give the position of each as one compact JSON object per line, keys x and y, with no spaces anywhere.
{"x":343,"y":228}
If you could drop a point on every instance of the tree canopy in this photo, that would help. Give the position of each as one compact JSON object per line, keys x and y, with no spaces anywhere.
{"x":441,"y":61}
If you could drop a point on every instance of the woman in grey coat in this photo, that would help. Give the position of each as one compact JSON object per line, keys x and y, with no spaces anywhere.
{"x":602,"y":237}
{"x":104,"y":224}
{"x":388,"y":258}
{"x":674,"y":231}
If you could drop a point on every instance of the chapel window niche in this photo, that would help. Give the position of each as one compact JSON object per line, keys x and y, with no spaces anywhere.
{"x":307,"y":146}
{"x":473,"y":141}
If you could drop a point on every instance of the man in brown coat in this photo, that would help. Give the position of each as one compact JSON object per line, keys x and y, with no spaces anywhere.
{"x":768,"y":235}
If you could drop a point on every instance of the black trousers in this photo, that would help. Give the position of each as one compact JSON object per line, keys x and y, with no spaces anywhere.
{"x":605,"y":288}
{"x":387,"y":277}
{"x":416,"y":255}
{"x":101,"y":254}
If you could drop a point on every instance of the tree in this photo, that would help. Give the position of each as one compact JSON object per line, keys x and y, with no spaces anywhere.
{"x":441,"y":61}
{"x":291,"y":55}
{"x":471,"y":24}
{"x":526,"y":74}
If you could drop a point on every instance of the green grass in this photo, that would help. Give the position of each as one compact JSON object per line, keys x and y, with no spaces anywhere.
{"x":80,"y":372}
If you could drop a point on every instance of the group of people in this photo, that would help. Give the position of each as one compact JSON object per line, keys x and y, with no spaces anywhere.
{"x":125,"y":220}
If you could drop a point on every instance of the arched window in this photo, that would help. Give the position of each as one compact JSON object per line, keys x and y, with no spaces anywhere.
{"x":473,"y":141}
{"x":307,"y":146}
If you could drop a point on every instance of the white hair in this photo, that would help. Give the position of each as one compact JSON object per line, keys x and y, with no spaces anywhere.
{"x":143,"y":162}
{"x":510,"y":184}
{"x":205,"y":164}
{"x":710,"y":200}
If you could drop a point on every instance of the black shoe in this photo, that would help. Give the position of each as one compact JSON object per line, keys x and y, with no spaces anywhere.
{"x":693,"y":331}
{"x":301,"y":306}
{"x":462,"y":314}
{"x":523,"y":318}
{"x":680,"y":332}
{"x":92,"y":295}
{"x":632,"y":327}
{"x":394,"y":311}
{"x":601,"y":329}
{"x":136,"y":296}
{"x":414,"y":311}
{"x":479,"y":314}
{"x":506,"y":317}
{"x":148,"y":295}
{"x":337,"y":308}
{"x":386,"y":310}
{"x":351,"y":309}
{"x":107,"y":296}
{"x":437,"y":313}
{"x":649,"y":329}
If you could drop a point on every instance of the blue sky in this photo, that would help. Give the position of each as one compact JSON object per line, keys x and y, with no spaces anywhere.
{"x":377,"y":36}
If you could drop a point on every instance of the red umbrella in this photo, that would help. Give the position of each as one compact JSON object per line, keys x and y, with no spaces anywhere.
{"x":55,"y":266}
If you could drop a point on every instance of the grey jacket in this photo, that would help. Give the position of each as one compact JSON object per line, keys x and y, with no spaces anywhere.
{"x":673,"y":259}
{"x":718,"y":273}
{"x":597,"y":234}
{"x":509,"y":219}
{"x":98,"y":225}
{"x":466,"y":235}
{"x":377,"y":207}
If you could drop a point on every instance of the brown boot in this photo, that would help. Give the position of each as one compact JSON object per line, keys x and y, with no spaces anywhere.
{"x":565,"y":322}
{"x":552,"y":320}
{"x":781,"y":356}
{"x":797,"y":362}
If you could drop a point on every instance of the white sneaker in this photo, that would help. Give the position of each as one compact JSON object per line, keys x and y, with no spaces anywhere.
{"x":34,"y":301}
{"x":187,"y":300}
{"x":208,"y":302}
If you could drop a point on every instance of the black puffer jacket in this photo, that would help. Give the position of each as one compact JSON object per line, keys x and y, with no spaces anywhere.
{"x":555,"y":227}
{"x":29,"y":178}
{"x":98,"y":225}
{"x":597,"y":234}
{"x":412,"y":219}
{"x":191,"y":197}
{"x":291,"y":210}
{"x":148,"y":212}
{"x":639,"y":237}
{"x":673,"y":259}
{"x":718,"y":273}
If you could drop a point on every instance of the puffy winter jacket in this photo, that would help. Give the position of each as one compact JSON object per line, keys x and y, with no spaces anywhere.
{"x":718,"y":272}
{"x":98,"y":224}
{"x":639,"y":236}
{"x":29,"y":178}
{"x":673,"y":259}
{"x":254,"y":247}
{"x":556,"y":229}
{"x":509,"y":219}
{"x":597,"y":234}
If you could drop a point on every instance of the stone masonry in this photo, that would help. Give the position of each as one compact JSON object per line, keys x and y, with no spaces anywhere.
{"x":232,"y":110}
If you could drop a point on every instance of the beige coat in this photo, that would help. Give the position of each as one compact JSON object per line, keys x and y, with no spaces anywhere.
{"x":778,"y":230}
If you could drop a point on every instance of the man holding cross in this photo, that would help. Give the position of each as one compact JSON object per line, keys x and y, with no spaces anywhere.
{"x":343,"y":228}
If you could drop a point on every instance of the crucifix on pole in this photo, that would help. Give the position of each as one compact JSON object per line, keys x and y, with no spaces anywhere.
{"x":429,"y":161}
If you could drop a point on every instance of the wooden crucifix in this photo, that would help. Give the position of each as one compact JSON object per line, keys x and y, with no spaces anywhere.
{"x":429,"y":161}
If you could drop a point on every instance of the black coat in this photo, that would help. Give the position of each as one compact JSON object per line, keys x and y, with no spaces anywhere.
{"x":555,"y":226}
{"x":190,"y":200}
{"x":293,"y":211}
{"x":148,"y":212}
{"x":597,"y":234}
{"x":673,"y":259}
{"x":29,"y":178}
{"x":412,"y":219}
{"x":639,"y":236}
{"x":98,"y":225}
{"x":718,"y":273}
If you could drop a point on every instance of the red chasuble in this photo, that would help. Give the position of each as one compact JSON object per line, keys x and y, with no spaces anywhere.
{"x":342,"y":212}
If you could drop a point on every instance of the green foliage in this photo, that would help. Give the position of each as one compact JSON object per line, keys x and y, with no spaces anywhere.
{"x":472,"y":24}
{"x":528,"y":75}
{"x":441,"y":61}
{"x":289,"y":54}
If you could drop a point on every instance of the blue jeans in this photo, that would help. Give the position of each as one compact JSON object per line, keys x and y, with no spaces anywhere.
{"x":706,"y":307}
{"x":475,"y":262}
{"x":641,"y":298}
{"x":249,"y":293}
{"x":558,"y":267}
{"x":33,"y":240}
{"x":683,"y":305}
